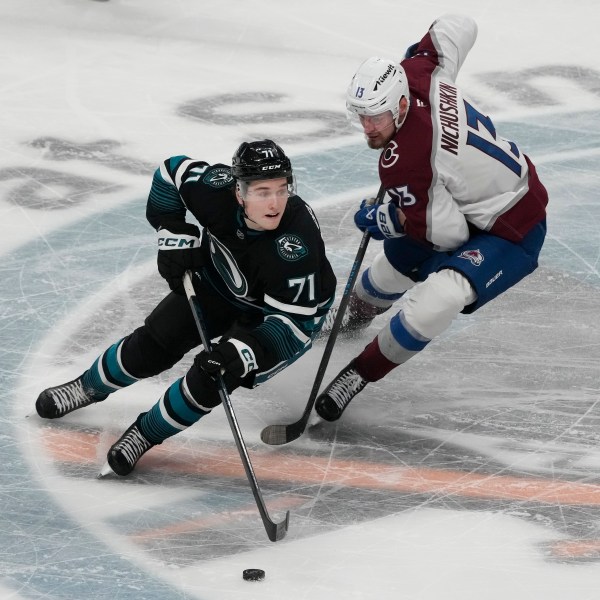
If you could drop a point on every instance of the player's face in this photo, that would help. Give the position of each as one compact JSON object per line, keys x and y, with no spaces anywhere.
{"x":265,"y":202}
{"x":378,"y":129}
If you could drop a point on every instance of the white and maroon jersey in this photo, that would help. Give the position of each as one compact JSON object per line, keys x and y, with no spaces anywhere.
{"x":446,"y":165}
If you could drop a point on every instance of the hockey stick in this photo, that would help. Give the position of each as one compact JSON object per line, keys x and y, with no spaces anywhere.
{"x":276,"y":435}
{"x":275,"y":531}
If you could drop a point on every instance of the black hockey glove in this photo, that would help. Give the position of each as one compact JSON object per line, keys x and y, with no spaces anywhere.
{"x":178,"y":251}
{"x":233,"y":356}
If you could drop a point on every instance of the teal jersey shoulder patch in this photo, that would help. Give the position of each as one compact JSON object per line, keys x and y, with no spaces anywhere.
{"x":218,"y":177}
{"x":291,"y":247}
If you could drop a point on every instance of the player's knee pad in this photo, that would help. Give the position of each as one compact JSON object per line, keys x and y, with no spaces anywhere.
{"x":431,"y":306}
{"x":381,"y":284}
{"x":143,"y":356}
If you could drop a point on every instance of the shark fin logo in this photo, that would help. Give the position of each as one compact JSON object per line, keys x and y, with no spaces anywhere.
{"x":228,"y":268}
{"x":291,"y":247}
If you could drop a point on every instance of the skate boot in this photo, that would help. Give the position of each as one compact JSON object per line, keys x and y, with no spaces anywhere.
{"x":358,"y":316}
{"x":128,"y":449}
{"x":337,"y":395}
{"x":59,"y":401}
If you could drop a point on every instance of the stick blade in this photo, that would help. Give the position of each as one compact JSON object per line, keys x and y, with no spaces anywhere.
{"x":274,"y":435}
{"x":277,"y":531}
{"x":277,"y":435}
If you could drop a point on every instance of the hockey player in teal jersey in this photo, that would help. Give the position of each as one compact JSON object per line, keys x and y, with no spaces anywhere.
{"x":263,"y":282}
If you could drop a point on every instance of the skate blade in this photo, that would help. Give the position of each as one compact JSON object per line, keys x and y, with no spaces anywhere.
{"x":104,"y":471}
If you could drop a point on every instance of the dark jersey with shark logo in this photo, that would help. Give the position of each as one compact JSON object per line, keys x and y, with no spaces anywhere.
{"x":283,"y":274}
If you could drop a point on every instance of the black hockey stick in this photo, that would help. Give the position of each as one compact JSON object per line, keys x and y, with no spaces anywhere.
{"x":275,"y":531}
{"x":276,"y":435}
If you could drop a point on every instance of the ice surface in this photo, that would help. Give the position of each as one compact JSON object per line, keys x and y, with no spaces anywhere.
{"x":472,"y":472}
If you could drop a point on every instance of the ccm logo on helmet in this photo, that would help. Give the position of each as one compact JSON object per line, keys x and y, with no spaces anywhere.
{"x":270,"y":167}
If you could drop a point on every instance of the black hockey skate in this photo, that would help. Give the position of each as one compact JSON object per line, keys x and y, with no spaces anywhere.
{"x":358,"y":316}
{"x":337,"y":395}
{"x":127,"y":450}
{"x":59,"y":401}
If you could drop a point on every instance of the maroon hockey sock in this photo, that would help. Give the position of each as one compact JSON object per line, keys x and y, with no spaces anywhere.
{"x":371,"y":364}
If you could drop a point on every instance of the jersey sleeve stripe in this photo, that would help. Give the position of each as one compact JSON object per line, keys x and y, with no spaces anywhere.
{"x":181,"y":170}
{"x":284,"y":338}
{"x":165,"y":174}
{"x":164,"y":197}
{"x":290,"y":308}
{"x":298,"y":333}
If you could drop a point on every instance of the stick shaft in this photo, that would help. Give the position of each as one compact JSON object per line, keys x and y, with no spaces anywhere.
{"x":273,"y":434}
{"x":275,"y":531}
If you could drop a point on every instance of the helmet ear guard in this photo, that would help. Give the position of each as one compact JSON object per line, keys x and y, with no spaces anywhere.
{"x":377,"y":86}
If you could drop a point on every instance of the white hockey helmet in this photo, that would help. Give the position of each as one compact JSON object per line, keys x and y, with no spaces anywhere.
{"x":377,"y":86}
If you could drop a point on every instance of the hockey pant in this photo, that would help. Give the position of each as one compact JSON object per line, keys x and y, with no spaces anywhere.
{"x":168,"y":333}
{"x":434,"y":288}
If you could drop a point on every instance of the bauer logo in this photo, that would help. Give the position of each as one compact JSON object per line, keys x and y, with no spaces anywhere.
{"x":291,"y":247}
{"x":218,"y":177}
{"x":494,"y":278}
{"x":474,"y":256}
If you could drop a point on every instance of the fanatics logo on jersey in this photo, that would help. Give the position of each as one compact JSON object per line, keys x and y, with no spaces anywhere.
{"x":218,"y":178}
{"x":474,"y":256}
{"x":291,"y":247}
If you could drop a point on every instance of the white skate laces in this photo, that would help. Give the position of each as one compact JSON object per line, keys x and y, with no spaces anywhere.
{"x":58,"y":401}
{"x":333,"y":401}
{"x":330,"y":320}
{"x":131,"y":446}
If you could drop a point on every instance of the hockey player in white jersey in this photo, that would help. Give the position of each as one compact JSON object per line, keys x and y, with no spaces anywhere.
{"x":465,"y":215}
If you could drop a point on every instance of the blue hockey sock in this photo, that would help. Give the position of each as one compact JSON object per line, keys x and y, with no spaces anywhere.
{"x":175,"y":411}
{"x":107,"y":374}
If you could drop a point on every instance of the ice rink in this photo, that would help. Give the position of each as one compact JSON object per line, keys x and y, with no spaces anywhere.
{"x":471,"y":472}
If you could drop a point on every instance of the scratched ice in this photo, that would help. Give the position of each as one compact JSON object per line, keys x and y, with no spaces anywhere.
{"x":472,"y":472}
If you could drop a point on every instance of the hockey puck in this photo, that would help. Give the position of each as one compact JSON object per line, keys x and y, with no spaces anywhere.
{"x":253,"y":574}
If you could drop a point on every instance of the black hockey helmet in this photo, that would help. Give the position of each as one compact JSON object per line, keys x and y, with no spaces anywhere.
{"x":263,"y":159}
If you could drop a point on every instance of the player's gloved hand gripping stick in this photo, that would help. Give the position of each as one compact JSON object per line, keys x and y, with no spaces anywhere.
{"x":284,"y":434}
{"x":275,"y":531}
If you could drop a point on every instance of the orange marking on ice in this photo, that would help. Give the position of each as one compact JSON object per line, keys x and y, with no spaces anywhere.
{"x":214,"y":520}
{"x":576,"y":549}
{"x":213,"y":461}
{"x":71,"y":446}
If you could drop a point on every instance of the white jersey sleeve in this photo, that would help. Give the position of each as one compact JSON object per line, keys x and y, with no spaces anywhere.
{"x":447,"y":166}
{"x":453,"y":37}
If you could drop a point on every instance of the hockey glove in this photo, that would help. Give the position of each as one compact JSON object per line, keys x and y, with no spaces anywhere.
{"x":233,"y":356}
{"x":380,"y":221}
{"x":178,"y":251}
